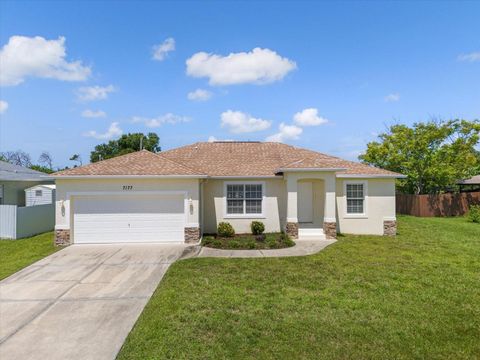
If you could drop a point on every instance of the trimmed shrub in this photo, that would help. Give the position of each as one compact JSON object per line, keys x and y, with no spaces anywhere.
{"x":257,"y":227}
{"x":251,"y":244}
{"x":234,"y":244}
{"x":474,"y":213}
{"x":216,"y":244}
{"x":225,"y":229}
{"x":207,"y":240}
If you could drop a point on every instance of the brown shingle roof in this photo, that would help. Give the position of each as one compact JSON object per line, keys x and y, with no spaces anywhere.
{"x":261,"y":159}
{"x":140,"y":163}
{"x":223,"y":159}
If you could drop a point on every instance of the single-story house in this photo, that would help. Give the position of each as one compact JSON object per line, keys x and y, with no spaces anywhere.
{"x":40,"y":195}
{"x":471,"y":184}
{"x":15,"y":179}
{"x":180,"y":194}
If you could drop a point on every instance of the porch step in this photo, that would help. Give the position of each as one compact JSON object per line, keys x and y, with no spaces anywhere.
{"x":311,"y":234}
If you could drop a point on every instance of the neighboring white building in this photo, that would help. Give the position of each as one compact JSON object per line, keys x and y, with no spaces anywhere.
{"x":40,"y":195}
{"x":178,"y":195}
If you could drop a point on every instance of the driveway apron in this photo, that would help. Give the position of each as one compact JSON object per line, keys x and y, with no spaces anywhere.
{"x":81,"y":302}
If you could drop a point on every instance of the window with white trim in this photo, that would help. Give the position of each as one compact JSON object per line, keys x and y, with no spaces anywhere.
{"x":244,"y":199}
{"x":38,"y":192}
{"x":355,"y":198}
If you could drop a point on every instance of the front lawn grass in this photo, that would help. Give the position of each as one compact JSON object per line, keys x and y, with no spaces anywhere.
{"x":364,"y":297}
{"x":16,"y":254}
{"x":249,"y":241}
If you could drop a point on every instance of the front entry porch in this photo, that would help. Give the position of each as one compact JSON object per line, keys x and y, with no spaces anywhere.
{"x":311,"y":205}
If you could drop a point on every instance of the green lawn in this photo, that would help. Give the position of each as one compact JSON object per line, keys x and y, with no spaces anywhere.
{"x":16,"y":254}
{"x":364,"y":297}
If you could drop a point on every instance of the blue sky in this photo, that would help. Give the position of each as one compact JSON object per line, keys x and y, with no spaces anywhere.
{"x":333,"y":73}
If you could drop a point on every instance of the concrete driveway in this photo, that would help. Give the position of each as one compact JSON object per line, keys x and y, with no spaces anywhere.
{"x":81,"y":302}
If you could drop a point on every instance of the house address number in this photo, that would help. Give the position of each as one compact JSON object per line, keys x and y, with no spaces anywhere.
{"x":127,"y":187}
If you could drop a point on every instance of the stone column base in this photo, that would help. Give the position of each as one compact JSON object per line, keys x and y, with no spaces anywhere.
{"x":389,"y":227}
{"x":292,"y":230}
{"x":330,"y":230}
{"x":62,"y":237}
{"x":192,"y":235}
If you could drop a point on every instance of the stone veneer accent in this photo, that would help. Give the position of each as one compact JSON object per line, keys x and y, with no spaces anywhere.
{"x":62,"y":237}
{"x":330,"y":230}
{"x":292,"y":229}
{"x":389,"y":227}
{"x":192,"y":235}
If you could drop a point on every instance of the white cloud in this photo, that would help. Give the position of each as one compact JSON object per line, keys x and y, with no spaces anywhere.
{"x":3,"y":106}
{"x":160,"y":51}
{"x":286,"y":132}
{"x":309,"y":117}
{"x":24,"y":57}
{"x":113,"y":131}
{"x":213,"y":139}
{"x":238,"y":122}
{"x":259,"y":66}
{"x":199,"y":95}
{"x":93,"y":114}
{"x":92,"y":93}
{"x":392,"y":98}
{"x":158,"y":121}
{"x":472,"y":57}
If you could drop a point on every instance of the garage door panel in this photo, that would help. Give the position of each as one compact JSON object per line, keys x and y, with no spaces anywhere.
{"x":128,"y":218}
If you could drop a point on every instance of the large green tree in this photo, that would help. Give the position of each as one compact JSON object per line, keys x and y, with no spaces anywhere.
{"x":433,"y":155}
{"x":125,"y":144}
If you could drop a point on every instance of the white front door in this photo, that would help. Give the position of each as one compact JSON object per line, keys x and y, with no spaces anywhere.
{"x":128,"y":218}
{"x":305,"y":202}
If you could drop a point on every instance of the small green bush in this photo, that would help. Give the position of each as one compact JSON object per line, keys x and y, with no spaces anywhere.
{"x":271,"y":243}
{"x":216,"y":244}
{"x":207,"y":240}
{"x":225,"y":229}
{"x":251,"y":244}
{"x":474,"y":213}
{"x":234,"y":244}
{"x":257,"y":227}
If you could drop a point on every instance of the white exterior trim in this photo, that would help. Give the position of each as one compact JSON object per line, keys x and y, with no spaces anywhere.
{"x":62,"y":227}
{"x":243,"y":216}
{"x":366,"y":176}
{"x":292,"y":220}
{"x":328,"y":219}
{"x":389,"y":218}
{"x":364,"y":215}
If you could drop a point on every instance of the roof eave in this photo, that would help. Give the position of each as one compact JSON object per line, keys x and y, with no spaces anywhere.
{"x":372,"y":176}
{"x":78,"y":177}
{"x":310,"y":169}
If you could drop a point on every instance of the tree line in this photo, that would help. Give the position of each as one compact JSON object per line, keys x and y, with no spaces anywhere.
{"x":127,"y":143}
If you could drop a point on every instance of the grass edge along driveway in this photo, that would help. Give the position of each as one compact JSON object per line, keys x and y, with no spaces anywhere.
{"x":17,"y":254}
{"x":364,"y":297}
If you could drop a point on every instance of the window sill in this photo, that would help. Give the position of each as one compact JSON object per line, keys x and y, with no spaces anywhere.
{"x":355,"y":216}
{"x":245,"y":216}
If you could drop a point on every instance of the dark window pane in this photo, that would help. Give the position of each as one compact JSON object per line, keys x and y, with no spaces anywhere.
{"x":235,"y":192}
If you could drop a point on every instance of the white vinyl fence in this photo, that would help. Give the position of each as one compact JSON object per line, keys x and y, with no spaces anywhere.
{"x":19,"y":222}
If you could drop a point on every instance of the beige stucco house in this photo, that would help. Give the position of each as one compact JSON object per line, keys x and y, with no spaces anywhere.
{"x":180,"y":194}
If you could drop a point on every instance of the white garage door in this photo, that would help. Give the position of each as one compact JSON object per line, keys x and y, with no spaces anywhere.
{"x":128,"y":218}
